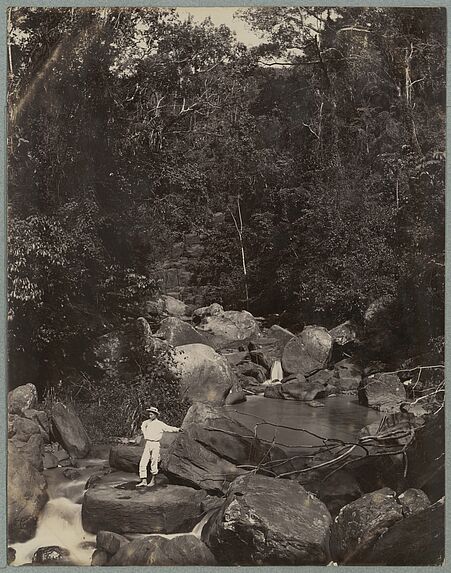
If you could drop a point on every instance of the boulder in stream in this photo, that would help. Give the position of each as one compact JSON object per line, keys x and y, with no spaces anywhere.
{"x":160,"y":551}
{"x":236,"y":395}
{"x":308,"y":352}
{"x":205,"y":375}
{"x":70,"y":430}
{"x":221,"y":434}
{"x":344,"y":333}
{"x":347,"y":376}
{"x":417,"y":540}
{"x":265,"y":521}
{"x":382,"y":391}
{"x":248,"y":368}
{"x":22,"y":398}
{"x":297,"y":388}
{"x":27,"y":438}
{"x":27,"y":495}
{"x":360,"y":523}
{"x":177,"y":332}
{"x":166,"y":305}
{"x":214,"y":309}
{"x":11,"y":555}
{"x":115,"y":504}
{"x":99,"y":558}
{"x":191,"y":463}
{"x":51,"y":555}
{"x":109,"y":541}
{"x":229,"y":326}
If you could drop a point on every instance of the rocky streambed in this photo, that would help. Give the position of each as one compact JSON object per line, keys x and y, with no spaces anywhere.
{"x":229,"y":493}
{"x":292,"y":453}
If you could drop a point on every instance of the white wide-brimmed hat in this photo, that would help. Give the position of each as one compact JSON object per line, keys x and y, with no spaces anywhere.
{"x":152,"y":409}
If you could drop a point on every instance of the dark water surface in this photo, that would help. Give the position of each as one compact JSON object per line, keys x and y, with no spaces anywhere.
{"x":342,"y":417}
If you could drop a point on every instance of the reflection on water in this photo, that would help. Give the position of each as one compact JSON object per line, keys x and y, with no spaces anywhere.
{"x":60,"y":521}
{"x":342,"y":417}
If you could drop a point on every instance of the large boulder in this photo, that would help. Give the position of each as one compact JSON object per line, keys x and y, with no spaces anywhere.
{"x":205,"y":375}
{"x":115,"y":504}
{"x":264,"y":521}
{"x":417,"y":540}
{"x":382,"y":391}
{"x":282,"y":335}
{"x":70,"y":431}
{"x":22,"y":398}
{"x":236,"y":395}
{"x":177,"y":332}
{"x":360,"y":523}
{"x":160,"y":551}
{"x":41,"y":419}
{"x":22,"y":428}
{"x":214,"y":309}
{"x":230,"y":326}
{"x":344,"y":333}
{"x":214,"y":429}
{"x":347,"y":376}
{"x":308,"y":352}
{"x":31,"y":450}
{"x":27,"y":495}
{"x":109,"y":541}
{"x":125,"y":457}
{"x":248,"y":368}
{"x":166,"y":305}
{"x":191,"y":463}
{"x":51,"y":555}
{"x":298,"y":389}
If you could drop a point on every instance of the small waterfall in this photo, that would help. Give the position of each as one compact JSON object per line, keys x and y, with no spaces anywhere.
{"x":58,"y":524}
{"x":276,"y":371}
{"x":275,"y":375}
{"x":197,"y":531}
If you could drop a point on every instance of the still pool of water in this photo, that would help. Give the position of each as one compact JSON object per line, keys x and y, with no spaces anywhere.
{"x":341,"y":417}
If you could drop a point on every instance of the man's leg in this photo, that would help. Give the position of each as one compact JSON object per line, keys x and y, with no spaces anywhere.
{"x":143,"y":462}
{"x":155,"y":458}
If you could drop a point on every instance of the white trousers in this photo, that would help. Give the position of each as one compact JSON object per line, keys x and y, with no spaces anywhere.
{"x":151,"y":453}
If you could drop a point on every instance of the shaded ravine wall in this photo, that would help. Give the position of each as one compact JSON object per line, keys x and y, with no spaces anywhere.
{"x":177,"y":273}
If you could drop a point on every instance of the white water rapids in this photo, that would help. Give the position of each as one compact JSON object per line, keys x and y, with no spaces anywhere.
{"x":60,"y":520}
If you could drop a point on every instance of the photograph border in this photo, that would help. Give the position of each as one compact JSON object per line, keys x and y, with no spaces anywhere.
{"x":4,"y":4}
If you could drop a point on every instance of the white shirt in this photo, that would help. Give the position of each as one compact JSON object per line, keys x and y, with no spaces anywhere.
{"x":153,"y":429}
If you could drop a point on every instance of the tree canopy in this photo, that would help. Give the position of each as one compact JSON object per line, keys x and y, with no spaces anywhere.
{"x":128,"y":128}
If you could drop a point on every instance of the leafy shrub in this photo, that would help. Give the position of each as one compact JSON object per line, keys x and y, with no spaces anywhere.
{"x":116,"y":407}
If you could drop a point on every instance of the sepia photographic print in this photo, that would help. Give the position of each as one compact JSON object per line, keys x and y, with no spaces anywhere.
{"x":226,"y":286}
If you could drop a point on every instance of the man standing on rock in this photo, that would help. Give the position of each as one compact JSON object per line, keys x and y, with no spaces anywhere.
{"x":152,"y":430}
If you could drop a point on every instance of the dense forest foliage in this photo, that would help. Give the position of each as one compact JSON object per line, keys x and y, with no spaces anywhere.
{"x":129,"y":128}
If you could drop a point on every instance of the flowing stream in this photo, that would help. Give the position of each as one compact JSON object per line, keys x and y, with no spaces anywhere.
{"x":60,"y":521}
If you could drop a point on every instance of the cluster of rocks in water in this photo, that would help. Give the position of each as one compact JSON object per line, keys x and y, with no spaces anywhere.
{"x":224,"y":356}
{"x":257,"y":503}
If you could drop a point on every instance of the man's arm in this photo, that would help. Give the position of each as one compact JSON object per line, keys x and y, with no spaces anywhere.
{"x":167,"y":428}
